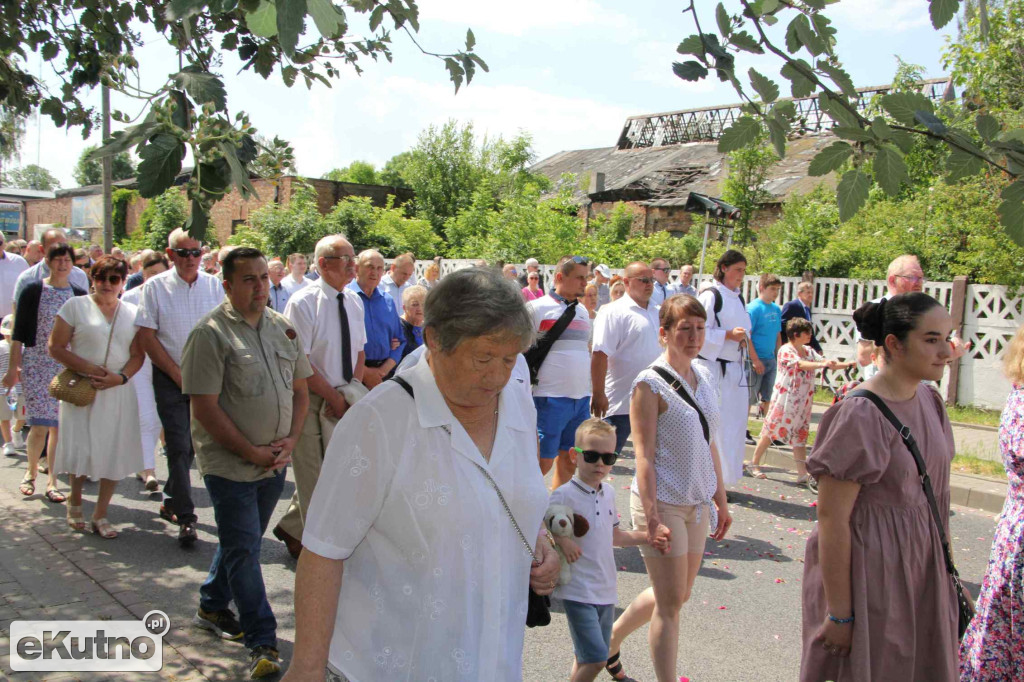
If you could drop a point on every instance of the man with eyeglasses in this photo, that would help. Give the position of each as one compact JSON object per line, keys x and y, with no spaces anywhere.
{"x":663,"y":289}
{"x":625,"y":342}
{"x":385,"y":338}
{"x":173,"y":302}
{"x":329,"y":320}
{"x":41,"y":270}
{"x":11,"y":267}
{"x":562,"y":392}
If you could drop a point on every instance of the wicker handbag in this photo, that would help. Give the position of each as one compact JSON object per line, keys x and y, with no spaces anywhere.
{"x":72,"y":387}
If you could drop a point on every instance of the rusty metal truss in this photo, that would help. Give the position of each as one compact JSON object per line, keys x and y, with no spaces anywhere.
{"x":706,"y":124}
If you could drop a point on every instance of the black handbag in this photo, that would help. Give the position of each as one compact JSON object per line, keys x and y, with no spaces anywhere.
{"x":538,"y":611}
{"x":965,"y":609}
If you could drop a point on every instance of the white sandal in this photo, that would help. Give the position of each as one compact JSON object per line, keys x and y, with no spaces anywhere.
{"x":103,"y":528}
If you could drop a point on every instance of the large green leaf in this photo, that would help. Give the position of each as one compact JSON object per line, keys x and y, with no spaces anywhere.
{"x":823,"y":25}
{"x":881,"y":129}
{"x":854,"y":133}
{"x":829,"y":159}
{"x":161,"y":163}
{"x":746,"y":42}
{"x":1013,"y":192}
{"x":689,"y":70}
{"x":179,"y":9}
{"x":988,"y":126}
{"x":327,"y":19}
{"x":890,"y":169}
{"x":745,"y":130}
{"x":808,"y":37}
{"x":852,"y":193}
{"x":197,"y":222}
{"x":769,"y":6}
{"x":239,"y":175}
{"x":942,"y":11}
{"x":1011,"y":216}
{"x":202,"y":86}
{"x":692,"y":45}
{"x":723,"y":20}
{"x":839,"y":77}
{"x":931,"y":122}
{"x":837,"y":111}
{"x":766,"y":88}
{"x":902,"y":106}
{"x":960,"y":164}
{"x":801,"y":85}
{"x":263,"y":21}
{"x":290,"y":16}
{"x":777,"y":134}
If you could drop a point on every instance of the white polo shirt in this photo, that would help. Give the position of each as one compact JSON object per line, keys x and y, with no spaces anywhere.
{"x":313,"y":310}
{"x":594,"y":575}
{"x":566,"y":369}
{"x":11,"y":266}
{"x":173,"y":307}
{"x":628,"y":335}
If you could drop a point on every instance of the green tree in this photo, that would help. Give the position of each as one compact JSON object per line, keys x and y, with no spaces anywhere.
{"x":361,"y":172}
{"x":12,"y":134}
{"x":89,"y":170}
{"x":396,"y":234}
{"x":987,"y":56}
{"x":745,"y":184}
{"x":394,"y":171}
{"x":120,"y":200}
{"x":32,"y":177}
{"x":353,"y":217}
{"x":792,"y":244}
{"x":294,"y":227}
{"x":444,"y":170}
{"x":162,"y":215}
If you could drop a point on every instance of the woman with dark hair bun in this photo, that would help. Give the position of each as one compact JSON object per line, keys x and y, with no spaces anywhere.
{"x":878,"y":603}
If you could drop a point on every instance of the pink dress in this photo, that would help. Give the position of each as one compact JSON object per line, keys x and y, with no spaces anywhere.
{"x":903,"y":598}
{"x":530,"y":296}
{"x":789,"y":413}
{"x":993,"y":647}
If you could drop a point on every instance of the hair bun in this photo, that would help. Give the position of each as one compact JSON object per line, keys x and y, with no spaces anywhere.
{"x":870,"y":321}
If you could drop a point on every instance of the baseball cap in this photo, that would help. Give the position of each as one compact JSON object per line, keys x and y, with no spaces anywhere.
{"x":7,"y":325}
{"x":532,"y":261}
{"x":604,"y":270}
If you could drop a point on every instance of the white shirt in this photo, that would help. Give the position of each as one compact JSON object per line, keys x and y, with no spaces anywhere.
{"x":628,"y":335}
{"x":436,"y":576}
{"x":661,"y":292}
{"x":594,"y":574}
{"x":683,"y":468}
{"x":291,"y":286}
{"x":173,"y":307}
{"x":733,"y":314}
{"x":314,"y":313}
{"x":387,"y":285}
{"x":41,"y":271}
{"x":566,"y":369}
{"x":11,"y":266}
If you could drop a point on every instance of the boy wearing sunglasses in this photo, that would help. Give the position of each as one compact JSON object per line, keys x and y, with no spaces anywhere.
{"x":591,"y":595}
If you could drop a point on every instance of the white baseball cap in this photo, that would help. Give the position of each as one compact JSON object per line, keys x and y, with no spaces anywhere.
{"x":604,"y":270}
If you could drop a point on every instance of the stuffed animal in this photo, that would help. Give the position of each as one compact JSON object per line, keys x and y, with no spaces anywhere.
{"x":561,"y":521}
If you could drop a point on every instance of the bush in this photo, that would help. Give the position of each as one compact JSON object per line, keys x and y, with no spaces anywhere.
{"x":294,"y":227}
{"x":162,"y":215}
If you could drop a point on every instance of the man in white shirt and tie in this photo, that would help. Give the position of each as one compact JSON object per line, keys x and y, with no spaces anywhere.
{"x":660,"y":270}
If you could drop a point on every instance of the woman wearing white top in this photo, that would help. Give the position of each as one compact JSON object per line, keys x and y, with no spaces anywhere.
{"x":725,"y":339}
{"x":435,"y":574}
{"x":95,"y":336}
{"x":678,"y":490}
{"x":149,"y":419}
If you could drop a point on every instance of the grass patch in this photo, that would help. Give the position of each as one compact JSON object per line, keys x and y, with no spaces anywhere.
{"x":966,"y":464}
{"x":823,"y":395}
{"x":973,"y":415}
{"x":755,"y":430}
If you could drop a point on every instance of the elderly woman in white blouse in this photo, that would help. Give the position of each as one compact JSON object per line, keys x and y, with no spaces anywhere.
{"x":678,"y":490}
{"x":413,"y":567}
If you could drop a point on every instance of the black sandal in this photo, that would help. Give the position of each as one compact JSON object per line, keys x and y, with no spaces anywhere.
{"x":614,"y":669}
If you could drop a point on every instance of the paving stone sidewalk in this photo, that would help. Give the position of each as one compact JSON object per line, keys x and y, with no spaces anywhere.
{"x":48,"y":572}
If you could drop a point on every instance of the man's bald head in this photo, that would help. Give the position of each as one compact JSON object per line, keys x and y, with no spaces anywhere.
{"x":53,"y":236}
{"x":639,"y":282}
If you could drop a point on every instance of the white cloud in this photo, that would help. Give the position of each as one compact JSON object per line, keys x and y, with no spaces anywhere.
{"x":889,"y":16}
{"x":520,"y":17}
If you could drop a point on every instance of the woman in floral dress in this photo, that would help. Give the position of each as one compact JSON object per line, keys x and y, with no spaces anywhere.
{"x":789,"y":413}
{"x":993,"y":647}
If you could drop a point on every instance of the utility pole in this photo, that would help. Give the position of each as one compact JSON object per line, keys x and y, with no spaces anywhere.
{"x":108,"y":220}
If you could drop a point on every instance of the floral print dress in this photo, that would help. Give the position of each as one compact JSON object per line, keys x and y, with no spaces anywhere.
{"x":993,"y":647}
{"x":789,"y":413}
{"x":37,"y":367}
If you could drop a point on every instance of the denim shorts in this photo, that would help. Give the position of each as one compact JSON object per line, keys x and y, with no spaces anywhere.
{"x":557,"y":421}
{"x":591,"y":628}
{"x":761,"y":384}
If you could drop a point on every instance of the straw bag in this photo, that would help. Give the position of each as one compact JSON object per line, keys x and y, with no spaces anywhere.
{"x":72,"y":387}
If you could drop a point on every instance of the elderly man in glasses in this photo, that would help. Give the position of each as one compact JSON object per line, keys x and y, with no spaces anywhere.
{"x":172,"y":303}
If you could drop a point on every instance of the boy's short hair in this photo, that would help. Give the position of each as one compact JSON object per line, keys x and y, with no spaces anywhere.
{"x":595,"y":427}
{"x":798,"y":325}
{"x":769,"y":280}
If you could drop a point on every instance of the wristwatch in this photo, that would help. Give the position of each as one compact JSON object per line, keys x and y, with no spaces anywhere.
{"x":124,"y":378}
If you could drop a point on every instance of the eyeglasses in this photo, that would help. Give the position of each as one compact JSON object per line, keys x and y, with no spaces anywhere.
{"x":185,"y":253}
{"x":913,"y":279}
{"x":643,"y":280}
{"x":591,"y":456}
{"x":344,"y":259}
{"x":112,"y":279}
{"x":662,"y":269}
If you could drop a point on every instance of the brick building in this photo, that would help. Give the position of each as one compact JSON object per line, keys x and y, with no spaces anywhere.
{"x":81,"y":208}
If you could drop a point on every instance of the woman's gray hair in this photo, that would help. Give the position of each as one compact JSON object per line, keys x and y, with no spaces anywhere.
{"x":476,"y":302}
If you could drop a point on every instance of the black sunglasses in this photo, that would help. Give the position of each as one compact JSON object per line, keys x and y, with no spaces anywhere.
{"x":591,"y":456}
{"x":113,"y":279}
{"x":643,"y":280}
{"x":185,"y":253}
{"x":579,"y":260}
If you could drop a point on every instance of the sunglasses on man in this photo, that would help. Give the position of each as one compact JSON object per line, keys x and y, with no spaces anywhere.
{"x":185,"y":253}
{"x":591,"y":456}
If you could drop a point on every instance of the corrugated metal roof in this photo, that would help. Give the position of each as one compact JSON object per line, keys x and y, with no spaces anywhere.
{"x":15,"y":193}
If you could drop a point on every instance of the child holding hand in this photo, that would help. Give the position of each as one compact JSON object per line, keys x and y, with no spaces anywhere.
{"x":591,"y":595}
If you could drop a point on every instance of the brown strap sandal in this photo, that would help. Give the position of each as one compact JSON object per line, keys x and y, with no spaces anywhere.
{"x":28,"y":486}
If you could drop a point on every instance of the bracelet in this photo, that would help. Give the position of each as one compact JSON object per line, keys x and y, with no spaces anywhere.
{"x":124,"y":377}
{"x":841,"y":621}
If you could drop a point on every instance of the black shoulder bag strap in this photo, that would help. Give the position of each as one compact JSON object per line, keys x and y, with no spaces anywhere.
{"x":678,"y":388}
{"x":539,"y":351}
{"x":966,"y":610}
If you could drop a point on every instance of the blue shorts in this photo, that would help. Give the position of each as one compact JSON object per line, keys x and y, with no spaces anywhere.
{"x":761,"y":384}
{"x":591,"y":628}
{"x":557,"y":421}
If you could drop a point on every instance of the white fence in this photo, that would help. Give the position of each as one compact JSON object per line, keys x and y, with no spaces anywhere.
{"x":991,"y":315}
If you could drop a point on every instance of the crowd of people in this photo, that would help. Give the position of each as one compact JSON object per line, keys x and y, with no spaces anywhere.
{"x":420,"y":419}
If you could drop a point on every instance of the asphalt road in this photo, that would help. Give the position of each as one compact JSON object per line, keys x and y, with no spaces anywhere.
{"x":742,"y":623}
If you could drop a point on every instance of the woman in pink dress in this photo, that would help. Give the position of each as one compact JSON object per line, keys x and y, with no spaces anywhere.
{"x":993,"y":646}
{"x":532,"y":289}
{"x":878,"y":604}
{"x":789,"y":413}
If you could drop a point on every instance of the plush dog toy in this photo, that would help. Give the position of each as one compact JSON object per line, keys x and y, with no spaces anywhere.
{"x":561,"y":521}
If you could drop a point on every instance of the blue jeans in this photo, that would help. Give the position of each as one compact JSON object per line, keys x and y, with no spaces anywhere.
{"x":622,"y":429}
{"x":242,"y":512}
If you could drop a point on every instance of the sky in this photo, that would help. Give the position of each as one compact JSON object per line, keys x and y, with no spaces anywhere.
{"x":568,"y":72}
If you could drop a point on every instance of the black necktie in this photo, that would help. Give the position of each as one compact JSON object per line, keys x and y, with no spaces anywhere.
{"x":346,"y":341}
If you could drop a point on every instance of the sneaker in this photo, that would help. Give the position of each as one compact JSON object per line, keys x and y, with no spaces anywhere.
{"x":10,"y":450}
{"x":187,"y":535}
{"x":151,"y":483}
{"x":222,"y":623}
{"x":750,"y":439}
{"x":263,"y":660}
{"x":19,"y":441}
